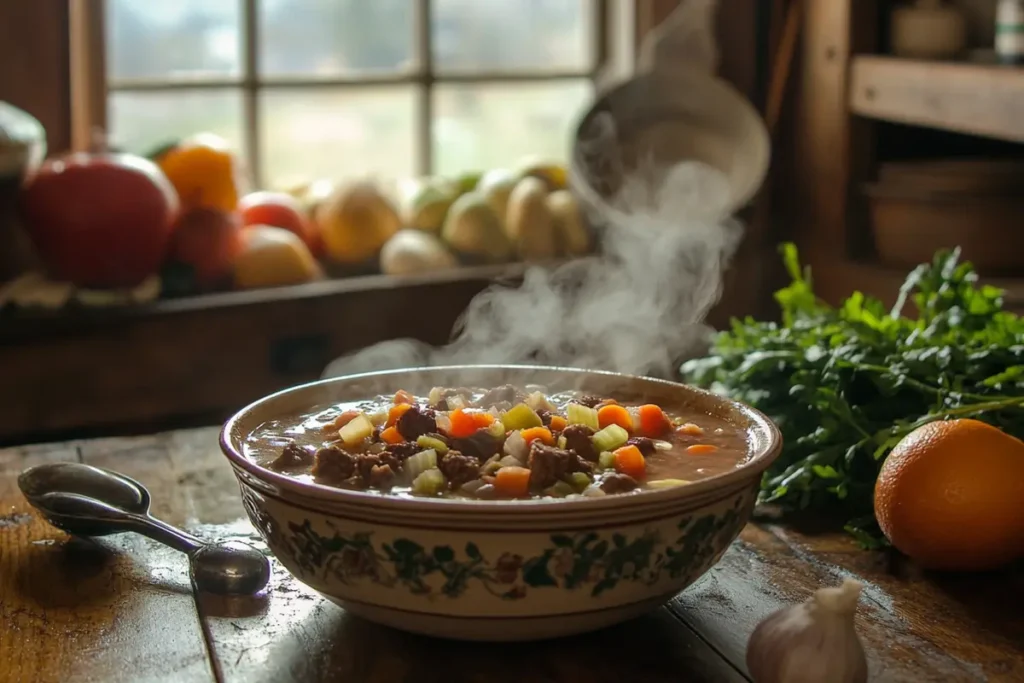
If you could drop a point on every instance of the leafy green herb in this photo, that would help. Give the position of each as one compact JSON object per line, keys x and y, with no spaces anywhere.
{"x":846,"y":384}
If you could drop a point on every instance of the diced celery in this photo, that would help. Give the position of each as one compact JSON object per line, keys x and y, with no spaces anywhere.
{"x":492,"y":466}
{"x":510,"y":461}
{"x":497,"y":429}
{"x":428,"y":483}
{"x":563,"y":443}
{"x":579,"y":481}
{"x":606,"y":460}
{"x":611,"y":437}
{"x":521,"y":416}
{"x":432,"y":443}
{"x":356,"y":431}
{"x":560,"y":489}
{"x":666,"y":483}
{"x":579,"y":414}
{"x":417,"y":464}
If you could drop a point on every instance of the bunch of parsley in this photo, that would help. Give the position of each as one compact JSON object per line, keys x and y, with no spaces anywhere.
{"x":845,"y":384}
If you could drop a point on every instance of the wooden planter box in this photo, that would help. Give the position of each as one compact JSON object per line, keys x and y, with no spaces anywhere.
{"x":197,"y":360}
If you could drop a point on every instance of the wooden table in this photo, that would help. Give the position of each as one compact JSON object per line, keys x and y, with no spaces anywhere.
{"x":123,"y":609}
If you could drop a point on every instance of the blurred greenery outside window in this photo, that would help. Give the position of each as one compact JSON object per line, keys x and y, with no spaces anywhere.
{"x":307,"y":89}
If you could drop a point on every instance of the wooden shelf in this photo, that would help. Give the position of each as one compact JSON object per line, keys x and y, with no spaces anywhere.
{"x":976,"y":99}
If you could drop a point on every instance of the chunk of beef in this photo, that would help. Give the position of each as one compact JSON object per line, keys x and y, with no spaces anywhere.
{"x":505,"y":394}
{"x":416,"y":422}
{"x":549,"y":465}
{"x":480,"y":445}
{"x":618,"y":483}
{"x":381,"y":477}
{"x":459,"y":469}
{"x":402,"y":451}
{"x":577,"y":438}
{"x":545,"y":417}
{"x":645,"y":445}
{"x":367,"y":461}
{"x":333,"y":466}
{"x":293,"y":457}
{"x":589,"y":400}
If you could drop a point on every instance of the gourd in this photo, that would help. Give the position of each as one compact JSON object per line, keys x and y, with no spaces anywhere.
{"x":413,"y":251}
{"x":22,"y":149}
{"x":22,"y":142}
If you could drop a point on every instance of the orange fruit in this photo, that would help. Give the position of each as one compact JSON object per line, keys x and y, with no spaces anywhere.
{"x":205,"y":173}
{"x":951,"y":496}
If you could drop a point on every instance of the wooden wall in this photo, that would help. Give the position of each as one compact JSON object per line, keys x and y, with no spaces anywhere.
{"x":35,"y":75}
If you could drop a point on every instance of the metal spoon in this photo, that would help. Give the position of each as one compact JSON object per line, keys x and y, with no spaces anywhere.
{"x":90,"y":501}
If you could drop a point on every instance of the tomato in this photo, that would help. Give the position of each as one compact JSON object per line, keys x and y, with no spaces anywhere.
{"x":278,"y":210}
{"x":209,"y":241}
{"x":102,"y":220}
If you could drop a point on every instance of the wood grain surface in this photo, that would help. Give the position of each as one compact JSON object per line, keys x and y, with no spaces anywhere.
{"x":121,"y":609}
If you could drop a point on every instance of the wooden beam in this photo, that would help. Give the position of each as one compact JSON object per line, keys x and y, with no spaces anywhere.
{"x":86,"y":40}
{"x":832,"y":151}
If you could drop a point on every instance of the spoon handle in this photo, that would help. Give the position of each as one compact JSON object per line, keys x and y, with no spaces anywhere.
{"x":162,"y":532}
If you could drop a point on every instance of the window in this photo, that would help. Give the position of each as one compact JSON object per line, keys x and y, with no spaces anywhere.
{"x":332,"y":88}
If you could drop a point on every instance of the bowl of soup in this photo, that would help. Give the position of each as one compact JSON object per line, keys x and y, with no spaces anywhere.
{"x":498,"y":502}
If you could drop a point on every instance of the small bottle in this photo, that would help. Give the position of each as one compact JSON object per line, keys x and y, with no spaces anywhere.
{"x":1010,"y":31}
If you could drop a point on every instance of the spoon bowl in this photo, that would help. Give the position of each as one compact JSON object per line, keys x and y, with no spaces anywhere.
{"x":90,"y":501}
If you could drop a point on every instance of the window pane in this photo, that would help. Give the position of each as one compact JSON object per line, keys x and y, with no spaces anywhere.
{"x":512,"y":35}
{"x":479,"y":127}
{"x":141,"y":121}
{"x":311,"y":134}
{"x":173,"y":40}
{"x":334,"y":37}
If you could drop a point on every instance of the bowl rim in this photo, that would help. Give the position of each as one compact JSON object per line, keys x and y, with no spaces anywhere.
{"x":756,"y":463}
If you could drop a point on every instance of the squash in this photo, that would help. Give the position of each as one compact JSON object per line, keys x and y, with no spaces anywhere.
{"x":22,"y":142}
{"x":530,"y":224}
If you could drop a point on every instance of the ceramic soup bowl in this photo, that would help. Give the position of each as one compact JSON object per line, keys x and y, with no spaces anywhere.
{"x":499,"y":570}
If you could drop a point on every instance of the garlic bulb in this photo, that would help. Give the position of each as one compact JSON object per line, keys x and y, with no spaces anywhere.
{"x":814,"y":642}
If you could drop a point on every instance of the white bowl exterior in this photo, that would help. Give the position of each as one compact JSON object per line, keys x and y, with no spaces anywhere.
{"x":422,"y":571}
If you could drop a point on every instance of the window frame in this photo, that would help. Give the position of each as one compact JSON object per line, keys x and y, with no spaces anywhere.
{"x":91,"y":88}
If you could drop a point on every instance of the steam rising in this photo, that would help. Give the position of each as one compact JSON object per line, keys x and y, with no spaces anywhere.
{"x":637,"y":307}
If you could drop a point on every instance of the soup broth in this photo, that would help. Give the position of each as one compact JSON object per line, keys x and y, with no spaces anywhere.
{"x":500,"y":443}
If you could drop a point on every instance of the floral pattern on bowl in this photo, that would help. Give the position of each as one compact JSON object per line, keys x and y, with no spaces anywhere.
{"x":344,"y":558}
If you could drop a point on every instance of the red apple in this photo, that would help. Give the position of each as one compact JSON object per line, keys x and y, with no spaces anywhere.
{"x":208,"y":241}
{"x":276,"y":209}
{"x":100,"y":220}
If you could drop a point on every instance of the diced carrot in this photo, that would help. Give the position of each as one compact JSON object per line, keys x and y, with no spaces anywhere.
{"x":482,"y":420}
{"x":543,"y":434}
{"x":701,"y":449}
{"x":629,"y":460}
{"x":395,"y":412}
{"x":391,"y":435}
{"x":690,"y":429}
{"x":558,"y":423}
{"x":512,"y":482}
{"x":653,"y":421}
{"x":615,"y":415}
{"x":466,"y":422}
{"x":341,"y":420}
{"x":403,"y":396}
